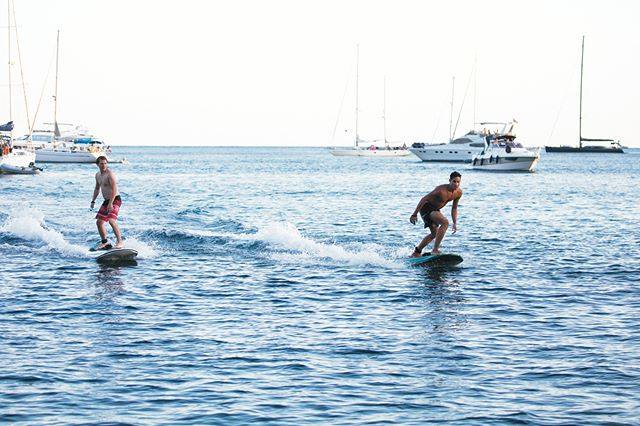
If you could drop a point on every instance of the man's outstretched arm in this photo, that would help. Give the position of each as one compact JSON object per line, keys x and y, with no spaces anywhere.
{"x":454,"y":215}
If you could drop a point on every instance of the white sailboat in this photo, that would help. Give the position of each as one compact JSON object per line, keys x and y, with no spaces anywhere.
{"x":364,"y":148}
{"x":13,"y":160}
{"x":52,"y":147}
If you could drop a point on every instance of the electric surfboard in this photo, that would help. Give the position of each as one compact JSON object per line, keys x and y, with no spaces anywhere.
{"x":441,"y":259}
{"x":116,"y":255}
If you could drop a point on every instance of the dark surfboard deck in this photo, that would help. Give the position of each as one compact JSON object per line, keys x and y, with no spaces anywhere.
{"x":442,"y":259}
{"x":117,"y":256}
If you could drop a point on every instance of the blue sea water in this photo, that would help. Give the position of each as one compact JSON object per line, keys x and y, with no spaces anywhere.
{"x":271,"y":287}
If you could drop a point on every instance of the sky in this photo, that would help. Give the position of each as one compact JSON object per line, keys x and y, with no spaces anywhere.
{"x":282,"y":73}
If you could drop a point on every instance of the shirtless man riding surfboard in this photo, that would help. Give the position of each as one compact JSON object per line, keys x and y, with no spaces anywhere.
{"x":107,"y":183}
{"x":429,"y":209}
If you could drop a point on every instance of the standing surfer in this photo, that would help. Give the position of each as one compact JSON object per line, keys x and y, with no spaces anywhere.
{"x":429,"y":208}
{"x":107,"y":183}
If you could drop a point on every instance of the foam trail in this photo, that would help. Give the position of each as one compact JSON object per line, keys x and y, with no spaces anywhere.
{"x":145,"y":251}
{"x":288,"y":237}
{"x":30,"y":226}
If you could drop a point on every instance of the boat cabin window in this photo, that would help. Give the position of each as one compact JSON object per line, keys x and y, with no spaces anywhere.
{"x":41,"y":138}
{"x":461,"y":140}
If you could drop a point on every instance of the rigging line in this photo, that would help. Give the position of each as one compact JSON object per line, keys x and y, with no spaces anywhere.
{"x":463,"y":98}
{"x":44,"y":86}
{"x":344,"y":95}
{"x":24,"y":89}
{"x":562,"y":103}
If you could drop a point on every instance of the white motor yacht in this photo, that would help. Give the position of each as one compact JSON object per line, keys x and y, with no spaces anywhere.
{"x":504,"y":154}
{"x":464,"y":148}
{"x":458,"y":150}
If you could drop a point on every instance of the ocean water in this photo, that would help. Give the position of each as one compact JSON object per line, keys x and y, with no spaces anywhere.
{"x":271,"y":288}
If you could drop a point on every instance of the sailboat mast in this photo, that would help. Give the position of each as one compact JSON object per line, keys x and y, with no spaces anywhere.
{"x":55,"y":93}
{"x":581,"y":69}
{"x":475,"y":89}
{"x":9,"y":63}
{"x":384,"y":109}
{"x":453,"y":86}
{"x":357,"y":66}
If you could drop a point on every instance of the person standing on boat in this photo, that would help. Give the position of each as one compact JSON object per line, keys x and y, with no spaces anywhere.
{"x":107,"y":183}
{"x":429,"y":209}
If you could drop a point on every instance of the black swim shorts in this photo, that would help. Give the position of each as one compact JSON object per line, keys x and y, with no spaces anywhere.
{"x":425,"y":213}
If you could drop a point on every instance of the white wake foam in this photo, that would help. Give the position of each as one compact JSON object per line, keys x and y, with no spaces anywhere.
{"x":145,"y":251}
{"x":286,"y":236}
{"x":29,"y":225}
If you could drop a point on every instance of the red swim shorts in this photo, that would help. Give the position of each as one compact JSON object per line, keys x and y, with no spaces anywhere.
{"x":113,"y":214}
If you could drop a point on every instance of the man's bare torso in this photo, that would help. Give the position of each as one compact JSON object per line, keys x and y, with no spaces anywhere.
{"x":441,"y":195}
{"x":105,"y":182}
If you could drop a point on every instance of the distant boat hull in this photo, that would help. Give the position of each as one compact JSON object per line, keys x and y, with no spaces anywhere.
{"x":589,"y":149}
{"x":46,"y":155}
{"x":497,"y":158}
{"x":518,"y":164}
{"x":460,"y":150}
{"x":445,"y":154}
{"x":353,"y":152}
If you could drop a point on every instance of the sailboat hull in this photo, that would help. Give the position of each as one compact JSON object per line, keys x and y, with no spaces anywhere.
{"x":352,"y":152}
{"x":47,"y":155}
{"x":588,"y":149}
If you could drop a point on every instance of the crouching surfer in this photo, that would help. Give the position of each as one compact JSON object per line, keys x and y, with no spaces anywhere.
{"x":107,"y":183}
{"x":429,"y":209}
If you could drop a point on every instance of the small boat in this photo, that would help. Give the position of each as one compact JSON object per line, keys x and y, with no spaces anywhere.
{"x":16,"y":161}
{"x":10,"y":169}
{"x":504,"y":154}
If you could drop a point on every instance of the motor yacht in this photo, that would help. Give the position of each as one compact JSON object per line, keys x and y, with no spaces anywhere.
{"x":505,"y":154}
{"x":458,"y":150}
{"x":463,"y":149}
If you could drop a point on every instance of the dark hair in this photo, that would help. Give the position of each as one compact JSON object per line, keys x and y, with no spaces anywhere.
{"x":454,"y":175}
{"x":102,"y":157}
